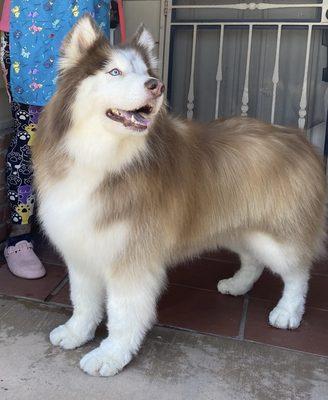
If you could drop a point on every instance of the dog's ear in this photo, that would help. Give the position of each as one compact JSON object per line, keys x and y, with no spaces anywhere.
{"x":143,"y":39}
{"x":80,"y":38}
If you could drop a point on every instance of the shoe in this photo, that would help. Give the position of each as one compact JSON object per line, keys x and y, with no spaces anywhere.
{"x":23,"y":262}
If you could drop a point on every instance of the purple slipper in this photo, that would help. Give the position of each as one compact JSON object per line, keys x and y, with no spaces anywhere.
{"x":23,"y":262}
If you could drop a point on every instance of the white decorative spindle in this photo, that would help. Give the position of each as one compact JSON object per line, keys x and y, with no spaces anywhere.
{"x":253,"y":6}
{"x":165,"y":71}
{"x":275,"y":76}
{"x":297,"y":19}
{"x":303,"y":102}
{"x":191,"y":97}
{"x":244,"y":100}
{"x":324,"y":11}
{"x":219,"y":73}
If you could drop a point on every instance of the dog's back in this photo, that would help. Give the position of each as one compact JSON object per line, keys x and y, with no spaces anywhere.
{"x":211,"y":182}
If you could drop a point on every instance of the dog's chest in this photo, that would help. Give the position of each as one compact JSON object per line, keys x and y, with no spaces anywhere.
{"x":69,"y":210}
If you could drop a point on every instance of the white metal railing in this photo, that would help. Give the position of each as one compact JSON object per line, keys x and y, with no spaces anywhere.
{"x":245,"y":97}
{"x":303,"y":102}
{"x":275,"y":76}
{"x":219,"y":74}
{"x":191,"y":97}
{"x":250,"y":24}
{"x":250,"y":6}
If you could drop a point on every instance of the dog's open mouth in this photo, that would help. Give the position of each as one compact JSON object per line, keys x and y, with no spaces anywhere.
{"x":137,"y":120}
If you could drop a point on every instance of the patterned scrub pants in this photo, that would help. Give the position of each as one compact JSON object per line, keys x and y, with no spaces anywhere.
{"x":19,"y":175}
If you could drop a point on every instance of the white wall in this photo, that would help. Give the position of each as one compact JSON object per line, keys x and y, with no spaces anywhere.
{"x":147,"y":12}
{"x":142,"y":11}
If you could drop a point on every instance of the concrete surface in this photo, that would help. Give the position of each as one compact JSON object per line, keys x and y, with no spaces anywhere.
{"x":171,"y":365}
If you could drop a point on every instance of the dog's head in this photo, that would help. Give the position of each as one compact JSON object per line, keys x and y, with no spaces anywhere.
{"x":112,"y":87}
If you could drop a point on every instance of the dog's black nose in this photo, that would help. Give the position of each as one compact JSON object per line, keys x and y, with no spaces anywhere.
{"x":155,"y":86}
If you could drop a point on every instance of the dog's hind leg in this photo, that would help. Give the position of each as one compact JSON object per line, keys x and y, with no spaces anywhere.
{"x":294,"y":269}
{"x":289,"y":311}
{"x":244,"y":278}
{"x":132,"y":293}
{"x":88,"y":297}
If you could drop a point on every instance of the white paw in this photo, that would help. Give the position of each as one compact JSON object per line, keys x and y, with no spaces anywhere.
{"x":282,"y":318}
{"x":62,"y":336}
{"x":101,"y":362}
{"x":231,"y":286}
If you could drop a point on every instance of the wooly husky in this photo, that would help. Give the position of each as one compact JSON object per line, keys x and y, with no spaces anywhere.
{"x":126,"y":190}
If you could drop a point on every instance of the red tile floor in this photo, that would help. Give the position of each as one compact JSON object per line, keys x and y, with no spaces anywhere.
{"x":192,"y":301}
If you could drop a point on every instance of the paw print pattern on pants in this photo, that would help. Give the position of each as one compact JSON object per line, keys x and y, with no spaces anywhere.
{"x":24,"y":136}
{"x":16,"y":218}
{"x":24,"y":211}
{"x":22,"y":116}
{"x":31,"y":130}
{"x":19,"y":175}
{"x":24,"y":192}
{"x":12,"y":196}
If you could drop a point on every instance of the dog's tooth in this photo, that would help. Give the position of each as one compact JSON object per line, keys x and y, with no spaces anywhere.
{"x":133,"y":119}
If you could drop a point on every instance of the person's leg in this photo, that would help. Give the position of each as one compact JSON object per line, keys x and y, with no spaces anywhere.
{"x":21,"y":259}
{"x":18,"y":172}
{"x":19,"y":168}
{"x":5,"y":60}
{"x":19,"y":253}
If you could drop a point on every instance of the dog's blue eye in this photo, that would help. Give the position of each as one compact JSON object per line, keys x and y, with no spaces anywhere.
{"x":115,"y":72}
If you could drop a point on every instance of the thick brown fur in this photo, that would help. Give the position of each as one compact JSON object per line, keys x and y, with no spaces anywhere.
{"x":197,"y":183}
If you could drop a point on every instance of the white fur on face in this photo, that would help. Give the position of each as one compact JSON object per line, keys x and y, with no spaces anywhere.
{"x":102,"y":91}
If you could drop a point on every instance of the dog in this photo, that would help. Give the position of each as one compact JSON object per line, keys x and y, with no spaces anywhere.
{"x":125,"y":190}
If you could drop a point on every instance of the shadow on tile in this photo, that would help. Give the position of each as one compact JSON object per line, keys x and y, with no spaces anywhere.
{"x":270,"y":286}
{"x":202,"y":273}
{"x":200,"y":310}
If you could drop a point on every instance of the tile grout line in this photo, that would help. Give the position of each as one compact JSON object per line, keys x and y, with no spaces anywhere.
{"x":322,"y":274}
{"x":57,"y":289}
{"x":242,"y":324}
{"x":274,"y":302}
{"x":57,"y":263}
{"x":219,"y":260}
{"x":191,"y":287}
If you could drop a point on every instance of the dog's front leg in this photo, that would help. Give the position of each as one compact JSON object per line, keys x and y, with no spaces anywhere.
{"x":131,"y":308}
{"x":88,"y":297}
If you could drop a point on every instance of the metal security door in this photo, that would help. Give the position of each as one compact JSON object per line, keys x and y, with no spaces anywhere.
{"x":279,"y":17}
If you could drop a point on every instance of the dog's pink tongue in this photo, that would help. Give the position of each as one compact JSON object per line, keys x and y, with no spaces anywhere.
{"x":137,"y":118}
